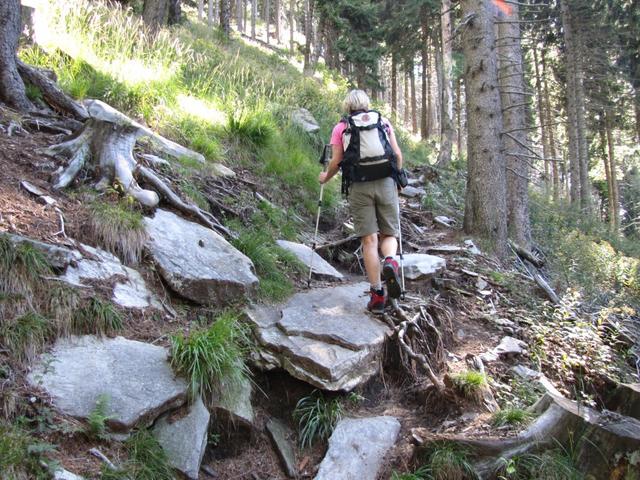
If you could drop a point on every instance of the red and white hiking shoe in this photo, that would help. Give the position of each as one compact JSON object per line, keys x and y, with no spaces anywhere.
{"x":377,"y":301}
{"x":390,"y":276}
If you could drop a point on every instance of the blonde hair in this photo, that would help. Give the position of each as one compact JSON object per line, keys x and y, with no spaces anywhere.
{"x":356,"y":100}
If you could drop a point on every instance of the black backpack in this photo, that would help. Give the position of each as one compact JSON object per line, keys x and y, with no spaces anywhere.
{"x":367,"y":152}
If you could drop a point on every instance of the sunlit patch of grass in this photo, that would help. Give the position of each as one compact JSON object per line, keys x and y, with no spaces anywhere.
{"x":471,"y":383}
{"x":206,"y":356}
{"x":511,"y":416}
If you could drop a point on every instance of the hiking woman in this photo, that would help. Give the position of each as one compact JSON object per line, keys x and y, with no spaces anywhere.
{"x":364,"y":146}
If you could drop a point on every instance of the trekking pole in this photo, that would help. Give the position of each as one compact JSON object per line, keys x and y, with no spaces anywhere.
{"x":401,"y":254}
{"x":323,"y":161}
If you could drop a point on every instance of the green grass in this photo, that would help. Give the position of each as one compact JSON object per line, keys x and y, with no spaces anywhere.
{"x":207,"y":356}
{"x":20,"y":454}
{"x":97,"y":418}
{"x":147,"y":460}
{"x":444,"y":460}
{"x":316,"y":417}
{"x":25,"y":336}
{"x":97,"y":316}
{"x":511,"y":416}
{"x":422,"y":473}
{"x":118,"y":228}
{"x":470,"y":383}
{"x":554,"y":464}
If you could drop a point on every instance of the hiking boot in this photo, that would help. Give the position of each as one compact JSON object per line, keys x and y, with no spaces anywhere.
{"x":390,"y":276}
{"x":376,"y":301}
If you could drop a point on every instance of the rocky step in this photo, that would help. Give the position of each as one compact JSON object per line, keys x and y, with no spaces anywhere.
{"x":320,"y":268}
{"x":357,"y":448}
{"x":323,"y":336}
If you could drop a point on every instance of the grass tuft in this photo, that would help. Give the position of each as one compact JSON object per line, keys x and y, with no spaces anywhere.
{"x":20,"y":454}
{"x":448,"y":461}
{"x":470,"y":384}
{"x":25,"y":336}
{"x":118,"y":229}
{"x":147,"y":460}
{"x":211,"y":355}
{"x":511,"y":416}
{"x":316,"y":417}
{"x":97,"y":317}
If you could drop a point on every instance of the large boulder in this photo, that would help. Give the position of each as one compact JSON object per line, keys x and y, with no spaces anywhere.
{"x":323,"y":336}
{"x":320,"y":268}
{"x":135,"y":377}
{"x":184,"y":439}
{"x":196,"y":262}
{"x":357,"y":448}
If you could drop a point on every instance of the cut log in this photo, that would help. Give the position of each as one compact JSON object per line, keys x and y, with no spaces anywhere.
{"x":526,"y":254}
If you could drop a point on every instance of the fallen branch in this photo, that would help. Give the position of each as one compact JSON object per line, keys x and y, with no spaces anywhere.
{"x":337,"y":243}
{"x":526,"y":254}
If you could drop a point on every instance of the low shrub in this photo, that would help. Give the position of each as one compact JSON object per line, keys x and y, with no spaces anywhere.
{"x":316,"y":417}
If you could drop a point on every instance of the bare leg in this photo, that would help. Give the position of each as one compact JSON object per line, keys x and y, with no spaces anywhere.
{"x":371,"y":258}
{"x":388,"y":245}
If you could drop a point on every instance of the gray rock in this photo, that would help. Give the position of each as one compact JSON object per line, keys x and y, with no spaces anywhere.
{"x":510,"y":346}
{"x":412,"y":192}
{"x":471,"y":247}
{"x":58,"y":257}
{"x":281,"y":436}
{"x":62,"y":474}
{"x":357,"y":448}
{"x":320,"y":267}
{"x":130,"y":289}
{"x":135,"y":377}
{"x":323,"y":336}
{"x":420,"y":266}
{"x":220,"y":170}
{"x":235,"y":400}
{"x":197,"y":262}
{"x":185,"y":439}
{"x":305,"y":120}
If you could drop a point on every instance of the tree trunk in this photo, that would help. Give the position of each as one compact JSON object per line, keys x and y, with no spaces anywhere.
{"x":225,"y":17}
{"x":446,"y":116}
{"x":394,"y":88}
{"x":267,"y":19}
{"x":308,"y":34}
{"x":513,"y":101}
{"x":485,"y":202}
{"x":551,"y":129}
{"x":12,"y":90}
{"x":583,"y":147}
{"x":278,"y":21}
{"x":542,"y":118}
{"x":200,"y":10}
{"x":210,"y":13}
{"x":459,"y":114}
{"x":292,"y":16}
{"x":607,"y":171}
{"x":424,"y":110}
{"x":636,"y":104}
{"x":175,"y":12}
{"x":414,"y":107}
{"x":613,"y":194}
{"x":239,"y":8}
{"x":406,"y":103}
{"x":154,"y":13}
{"x":437,"y":97}
{"x":254,"y":13}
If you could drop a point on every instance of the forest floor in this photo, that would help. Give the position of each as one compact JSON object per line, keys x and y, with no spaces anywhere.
{"x":242,"y":453}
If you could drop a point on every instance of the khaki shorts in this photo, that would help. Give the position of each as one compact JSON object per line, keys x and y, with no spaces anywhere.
{"x":374,"y":207}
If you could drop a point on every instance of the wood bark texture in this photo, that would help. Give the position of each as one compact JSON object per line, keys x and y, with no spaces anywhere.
{"x":12,"y":89}
{"x":485,"y":201}
{"x":447,"y":132}
{"x":155,"y":13}
{"x":513,"y":99}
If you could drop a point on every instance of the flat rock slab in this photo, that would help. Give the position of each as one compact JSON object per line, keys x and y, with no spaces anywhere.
{"x":135,"y":377}
{"x":323,"y":336}
{"x":129,"y":289}
{"x":445,"y":249}
{"x":320,"y":268}
{"x":196,"y":262}
{"x":420,"y":266}
{"x":357,"y":448}
{"x":281,"y":436}
{"x":185,"y":439}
